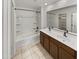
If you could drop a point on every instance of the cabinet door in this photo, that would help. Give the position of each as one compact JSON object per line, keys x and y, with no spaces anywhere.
{"x":46,"y":43}
{"x":53,"y":50}
{"x":64,"y":55}
{"x":41,"y":39}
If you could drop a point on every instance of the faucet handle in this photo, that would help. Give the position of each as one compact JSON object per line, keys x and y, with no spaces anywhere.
{"x":67,"y":31}
{"x":49,"y":28}
{"x":52,"y":27}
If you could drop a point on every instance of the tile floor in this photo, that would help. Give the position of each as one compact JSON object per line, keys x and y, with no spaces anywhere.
{"x":33,"y":52}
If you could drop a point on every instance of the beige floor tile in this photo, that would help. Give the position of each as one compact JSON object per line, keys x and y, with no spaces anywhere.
{"x":35,"y":56}
{"x":13,"y":58}
{"x":32,"y":52}
{"x":43,"y":57}
{"x":28,"y":57}
{"x":24,"y":49}
{"x":18,"y":56}
{"x":27,"y":53}
{"x":18,"y":51}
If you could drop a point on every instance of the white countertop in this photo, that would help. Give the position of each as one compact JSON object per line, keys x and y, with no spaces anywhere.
{"x":70,"y":40}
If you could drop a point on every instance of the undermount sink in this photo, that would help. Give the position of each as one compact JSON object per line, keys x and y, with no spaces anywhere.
{"x":67,"y":39}
{"x":64,"y":39}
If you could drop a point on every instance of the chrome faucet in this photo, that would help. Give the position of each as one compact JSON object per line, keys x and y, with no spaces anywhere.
{"x":65,"y":33}
{"x":49,"y":28}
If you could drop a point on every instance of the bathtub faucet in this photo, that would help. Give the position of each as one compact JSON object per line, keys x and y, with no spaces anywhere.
{"x":36,"y":29}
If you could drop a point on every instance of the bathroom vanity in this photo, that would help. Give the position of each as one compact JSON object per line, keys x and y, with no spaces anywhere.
{"x":58,"y":46}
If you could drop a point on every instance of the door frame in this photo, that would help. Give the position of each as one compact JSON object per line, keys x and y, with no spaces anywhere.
{"x":6,"y":12}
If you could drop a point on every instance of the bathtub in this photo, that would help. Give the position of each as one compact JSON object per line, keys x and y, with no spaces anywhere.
{"x":27,"y":40}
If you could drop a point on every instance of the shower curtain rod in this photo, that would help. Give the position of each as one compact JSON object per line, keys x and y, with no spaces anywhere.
{"x":24,"y":9}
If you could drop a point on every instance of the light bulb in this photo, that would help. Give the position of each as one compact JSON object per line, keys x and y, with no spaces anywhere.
{"x":45,"y":4}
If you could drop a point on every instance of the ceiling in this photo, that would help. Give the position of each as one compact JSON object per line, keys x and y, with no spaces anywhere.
{"x":33,"y":4}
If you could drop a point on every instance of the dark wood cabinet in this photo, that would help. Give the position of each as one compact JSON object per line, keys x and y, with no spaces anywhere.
{"x":53,"y":50}
{"x":64,"y":54}
{"x":57,"y":49}
{"x":41,"y":39}
{"x":44,"y":40}
{"x":67,"y":52}
{"x":46,"y":43}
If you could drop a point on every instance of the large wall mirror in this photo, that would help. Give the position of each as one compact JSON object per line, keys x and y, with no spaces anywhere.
{"x":64,"y":18}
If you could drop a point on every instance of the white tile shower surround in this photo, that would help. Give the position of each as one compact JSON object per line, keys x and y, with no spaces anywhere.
{"x":32,"y":52}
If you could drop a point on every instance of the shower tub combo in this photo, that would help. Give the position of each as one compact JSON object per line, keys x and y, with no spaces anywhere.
{"x":27,"y":40}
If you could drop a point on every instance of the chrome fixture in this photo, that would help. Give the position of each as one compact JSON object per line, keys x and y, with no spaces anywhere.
{"x":52,"y":27}
{"x":36,"y":29}
{"x":49,"y":28}
{"x":65,"y":33}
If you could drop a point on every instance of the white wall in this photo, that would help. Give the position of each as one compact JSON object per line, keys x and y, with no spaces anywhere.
{"x":54,"y":16}
{"x":43,"y":17}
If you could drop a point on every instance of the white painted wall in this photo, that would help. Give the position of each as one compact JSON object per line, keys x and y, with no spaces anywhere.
{"x":53,"y":18}
{"x":43,"y":17}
